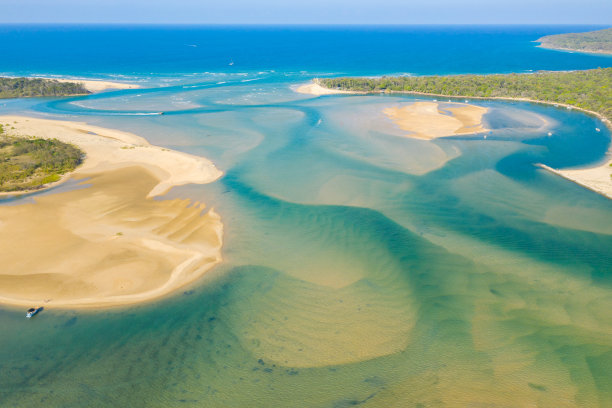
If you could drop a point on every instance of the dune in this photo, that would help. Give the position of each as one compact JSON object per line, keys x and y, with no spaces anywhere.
{"x":107,"y":242}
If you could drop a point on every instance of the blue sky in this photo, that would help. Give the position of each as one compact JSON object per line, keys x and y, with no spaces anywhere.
{"x":308,"y":11}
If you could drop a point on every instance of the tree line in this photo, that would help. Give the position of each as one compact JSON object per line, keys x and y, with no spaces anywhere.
{"x":31,"y":87}
{"x":588,"y":89}
{"x":30,"y":163}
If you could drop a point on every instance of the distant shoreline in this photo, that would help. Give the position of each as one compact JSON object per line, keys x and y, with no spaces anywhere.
{"x":590,"y":42}
{"x":552,"y":47}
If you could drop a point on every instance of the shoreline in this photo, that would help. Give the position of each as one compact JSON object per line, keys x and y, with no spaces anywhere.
{"x":92,"y":85}
{"x":45,"y":187}
{"x":314,"y":88}
{"x":118,"y":245}
{"x":590,"y":178}
{"x":550,"y":47}
{"x":97,"y":85}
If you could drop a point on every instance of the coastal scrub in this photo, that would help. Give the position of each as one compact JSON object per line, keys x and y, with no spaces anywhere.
{"x":31,"y":163}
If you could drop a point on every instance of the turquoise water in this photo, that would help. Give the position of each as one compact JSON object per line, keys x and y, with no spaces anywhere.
{"x":360,"y":267}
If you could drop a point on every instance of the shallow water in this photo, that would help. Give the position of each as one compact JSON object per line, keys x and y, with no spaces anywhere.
{"x":361,"y":267}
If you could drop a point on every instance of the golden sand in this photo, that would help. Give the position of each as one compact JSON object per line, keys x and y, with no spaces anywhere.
{"x":107,"y":242}
{"x":424,"y":120}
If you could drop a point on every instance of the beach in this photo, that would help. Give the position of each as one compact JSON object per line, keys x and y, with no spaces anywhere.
{"x":597,"y":179}
{"x":313,"y":88}
{"x":107,"y":242}
{"x":95,"y":85}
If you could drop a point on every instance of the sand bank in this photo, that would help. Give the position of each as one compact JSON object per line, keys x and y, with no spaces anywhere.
{"x":598,"y":179}
{"x":314,"y":88}
{"x":94,"y":85}
{"x":425,"y":120}
{"x":108,"y":242}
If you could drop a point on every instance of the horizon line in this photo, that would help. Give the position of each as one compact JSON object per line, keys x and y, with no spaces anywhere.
{"x":301,"y":24}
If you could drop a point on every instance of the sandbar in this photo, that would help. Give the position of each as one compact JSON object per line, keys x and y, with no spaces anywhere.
{"x":313,"y":88}
{"x":107,"y":242}
{"x":425,"y":120}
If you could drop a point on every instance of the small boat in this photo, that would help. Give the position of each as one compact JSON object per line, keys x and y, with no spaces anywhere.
{"x":33,"y":310}
{"x":549,"y":133}
{"x":597,"y":129}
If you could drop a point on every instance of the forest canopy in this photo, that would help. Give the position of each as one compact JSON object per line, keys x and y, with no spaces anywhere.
{"x":589,"y":89}
{"x":32,"y":87}
{"x":599,"y":41}
{"x":30,"y":163}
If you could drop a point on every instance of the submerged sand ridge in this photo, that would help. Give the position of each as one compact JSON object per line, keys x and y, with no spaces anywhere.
{"x":108,"y":242}
{"x":425,"y":120}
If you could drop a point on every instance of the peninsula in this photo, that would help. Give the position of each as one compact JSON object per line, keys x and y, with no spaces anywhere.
{"x":599,"y":42}
{"x":105,"y":241}
{"x":33,"y":87}
{"x":39,"y":87}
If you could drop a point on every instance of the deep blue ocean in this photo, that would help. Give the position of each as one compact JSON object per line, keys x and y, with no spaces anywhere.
{"x":360,"y":267}
{"x":350,"y":50}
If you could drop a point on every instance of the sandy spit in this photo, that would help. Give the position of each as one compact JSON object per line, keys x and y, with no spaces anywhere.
{"x":315,"y":89}
{"x":597,"y":179}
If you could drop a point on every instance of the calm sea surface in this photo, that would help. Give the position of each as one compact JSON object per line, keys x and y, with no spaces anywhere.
{"x":361,"y":267}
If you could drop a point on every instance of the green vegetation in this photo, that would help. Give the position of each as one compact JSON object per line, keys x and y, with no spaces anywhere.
{"x":590,"y":89}
{"x":593,"y":41}
{"x":30,"y":163}
{"x":30,"y":87}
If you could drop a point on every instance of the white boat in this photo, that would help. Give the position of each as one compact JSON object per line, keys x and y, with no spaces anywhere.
{"x":597,"y":129}
{"x":32,"y":311}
